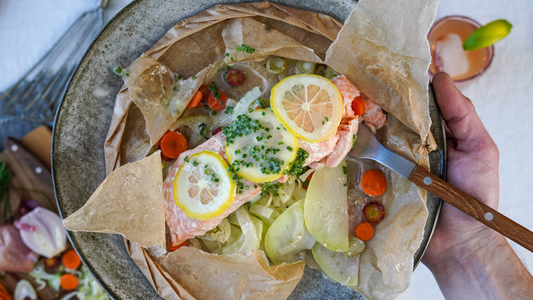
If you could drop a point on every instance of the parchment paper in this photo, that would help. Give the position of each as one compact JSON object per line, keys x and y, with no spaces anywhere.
{"x":382,"y":49}
{"x":128,"y":202}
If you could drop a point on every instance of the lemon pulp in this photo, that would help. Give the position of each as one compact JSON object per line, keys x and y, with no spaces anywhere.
{"x":308,"y":105}
{"x":203,"y":187}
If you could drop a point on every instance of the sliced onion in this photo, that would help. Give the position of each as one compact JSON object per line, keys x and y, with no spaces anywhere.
{"x":49,"y":238}
{"x":24,"y":290}
{"x":276,"y":65}
{"x":307,"y":67}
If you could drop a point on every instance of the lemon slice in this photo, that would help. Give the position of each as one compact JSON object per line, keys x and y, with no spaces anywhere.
{"x":308,"y":105}
{"x":258,"y":147}
{"x":203,"y":187}
{"x":487,"y":35}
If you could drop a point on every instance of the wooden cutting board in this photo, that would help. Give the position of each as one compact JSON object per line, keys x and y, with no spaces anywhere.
{"x":37,"y":144}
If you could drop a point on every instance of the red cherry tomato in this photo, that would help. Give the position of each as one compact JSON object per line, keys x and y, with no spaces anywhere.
{"x":205,"y":92}
{"x":234,"y":77}
{"x":220,"y":103}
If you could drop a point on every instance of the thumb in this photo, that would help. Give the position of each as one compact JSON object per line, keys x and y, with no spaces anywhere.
{"x":461,"y":118}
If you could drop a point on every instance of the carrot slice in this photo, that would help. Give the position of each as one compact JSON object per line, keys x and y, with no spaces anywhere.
{"x":4,"y":294}
{"x":364,"y":231}
{"x":172,"y":248}
{"x":195,"y":99}
{"x":173,"y":144}
{"x":69,"y":282}
{"x":71,"y":260}
{"x":358,"y":106}
{"x":217,"y":103}
{"x":374,"y":182}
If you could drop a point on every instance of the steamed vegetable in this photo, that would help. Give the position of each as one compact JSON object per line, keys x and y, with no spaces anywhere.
{"x":326,"y":207}
{"x":306,"y":67}
{"x":288,"y":236}
{"x":195,"y":99}
{"x":244,"y":236}
{"x":356,"y":246}
{"x":364,"y":231}
{"x":276,"y":65}
{"x":358,"y":106}
{"x":374,"y":182}
{"x":173,"y":144}
{"x":374,"y":212}
{"x":71,"y":260}
{"x":340,"y":268}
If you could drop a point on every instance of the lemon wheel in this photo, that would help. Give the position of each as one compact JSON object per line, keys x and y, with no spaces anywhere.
{"x":203,"y":187}
{"x":308,"y":105}
{"x":261,"y":149}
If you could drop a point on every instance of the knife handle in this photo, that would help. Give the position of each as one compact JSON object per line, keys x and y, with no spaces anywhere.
{"x":472,"y":207}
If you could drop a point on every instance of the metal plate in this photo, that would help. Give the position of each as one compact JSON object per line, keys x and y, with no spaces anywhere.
{"x":83,"y":120}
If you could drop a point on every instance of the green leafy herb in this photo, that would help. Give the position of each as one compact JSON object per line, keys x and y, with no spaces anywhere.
{"x":118,"y":70}
{"x":245,"y":48}
{"x":228,"y":110}
{"x":202,"y":130}
{"x":5,"y":180}
{"x":297,"y":165}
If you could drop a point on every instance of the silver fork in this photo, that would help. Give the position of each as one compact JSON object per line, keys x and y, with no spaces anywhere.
{"x":36,"y":96}
{"x":367,"y":146}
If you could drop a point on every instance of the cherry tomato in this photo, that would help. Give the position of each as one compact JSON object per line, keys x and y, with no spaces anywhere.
{"x":205,"y":92}
{"x":219,"y":129}
{"x":374,"y":212}
{"x":220,"y":103}
{"x":234,"y":77}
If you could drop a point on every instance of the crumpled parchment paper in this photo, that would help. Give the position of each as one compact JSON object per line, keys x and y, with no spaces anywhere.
{"x":382,"y":49}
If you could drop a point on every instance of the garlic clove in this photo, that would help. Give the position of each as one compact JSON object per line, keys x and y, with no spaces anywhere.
{"x":49,"y":237}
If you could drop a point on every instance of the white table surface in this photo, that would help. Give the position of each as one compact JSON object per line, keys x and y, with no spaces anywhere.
{"x":503,"y":96}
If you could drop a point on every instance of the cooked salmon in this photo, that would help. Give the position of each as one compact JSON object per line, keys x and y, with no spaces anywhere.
{"x":183,"y":227}
{"x":329,"y":153}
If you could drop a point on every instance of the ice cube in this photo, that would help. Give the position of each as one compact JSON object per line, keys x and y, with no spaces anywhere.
{"x":450,"y":56}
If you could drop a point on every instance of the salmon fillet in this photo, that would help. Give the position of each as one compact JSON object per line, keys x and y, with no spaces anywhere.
{"x":183,"y":227}
{"x":326,"y":153}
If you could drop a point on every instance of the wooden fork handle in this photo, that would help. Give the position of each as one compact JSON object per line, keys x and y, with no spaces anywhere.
{"x":472,"y":207}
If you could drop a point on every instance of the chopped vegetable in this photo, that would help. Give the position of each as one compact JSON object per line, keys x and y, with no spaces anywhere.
{"x":71,"y":260}
{"x":173,"y":144}
{"x":330,"y":73}
{"x":374,"y":182}
{"x":195,"y":99}
{"x":217,"y":103}
{"x":288,"y":236}
{"x":358,"y":106}
{"x":204,"y":89}
{"x":234,"y":77}
{"x":356,"y":247}
{"x":172,"y":248}
{"x":49,"y":238}
{"x":275,"y":65}
{"x":306,"y":67}
{"x":326,"y":208}
{"x":364,"y":231}
{"x":245,"y":48}
{"x":69,"y":282}
{"x":344,"y":270}
{"x":374,"y":212}
{"x":24,"y":290}
{"x":4,"y":295}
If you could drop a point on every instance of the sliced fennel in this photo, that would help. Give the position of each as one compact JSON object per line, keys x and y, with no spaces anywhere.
{"x":340,"y":268}
{"x":306,"y":67}
{"x":288,"y":236}
{"x":245,"y":236}
{"x":244,"y":105}
{"x":326,"y":207}
{"x":276,"y":65}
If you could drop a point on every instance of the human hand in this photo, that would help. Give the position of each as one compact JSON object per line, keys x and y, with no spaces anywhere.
{"x":472,"y":167}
